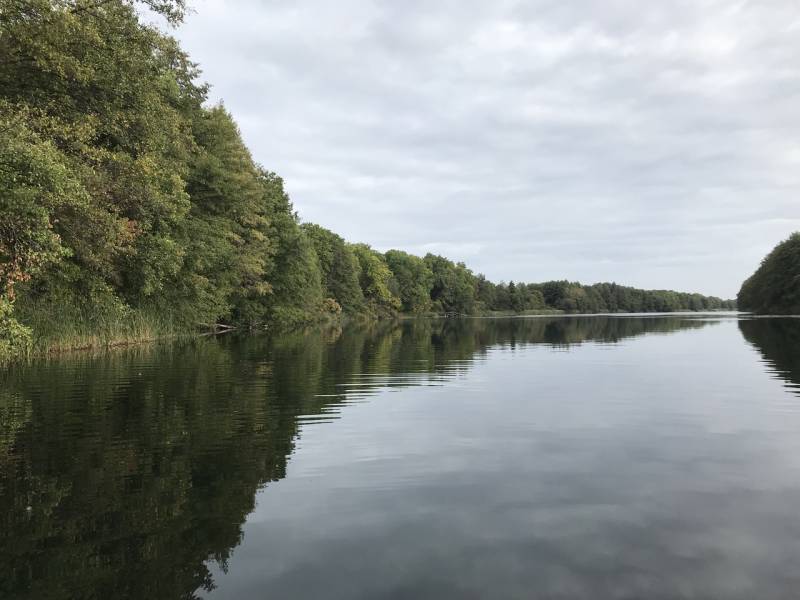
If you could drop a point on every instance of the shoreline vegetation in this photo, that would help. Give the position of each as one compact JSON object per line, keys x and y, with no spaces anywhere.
{"x":71,"y":337}
{"x":103,"y":341}
{"x":131,"y":211}
{"x":774,"y":289}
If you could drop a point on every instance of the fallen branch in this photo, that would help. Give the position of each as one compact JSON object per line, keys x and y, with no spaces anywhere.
{"x":218,"y":326}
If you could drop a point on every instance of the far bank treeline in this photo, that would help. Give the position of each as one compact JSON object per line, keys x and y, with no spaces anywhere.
{"x":775,"y":286}
{"x":129,"y":209}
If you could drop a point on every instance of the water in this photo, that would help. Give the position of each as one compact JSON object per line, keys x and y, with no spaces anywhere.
{"x":559,"y":458}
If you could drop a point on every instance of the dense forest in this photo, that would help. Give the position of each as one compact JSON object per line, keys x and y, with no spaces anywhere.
{"x":775,"y":287}
{"x":130,"y":209}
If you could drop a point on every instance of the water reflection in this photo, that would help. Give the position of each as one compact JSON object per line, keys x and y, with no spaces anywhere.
{"x":778,"y":340}
{"x":121,"y":475}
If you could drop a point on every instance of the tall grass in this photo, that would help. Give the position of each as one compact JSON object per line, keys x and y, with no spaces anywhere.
{"x":64,"y":327}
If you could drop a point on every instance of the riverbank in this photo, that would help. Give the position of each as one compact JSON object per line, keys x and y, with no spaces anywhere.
{"x":52,"y":331}
{"x":55,"y":332}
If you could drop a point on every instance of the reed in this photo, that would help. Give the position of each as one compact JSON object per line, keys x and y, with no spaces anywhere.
{"x":65,"y":328}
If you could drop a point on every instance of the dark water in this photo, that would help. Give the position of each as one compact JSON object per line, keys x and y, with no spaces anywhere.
{"x":587,"y":457}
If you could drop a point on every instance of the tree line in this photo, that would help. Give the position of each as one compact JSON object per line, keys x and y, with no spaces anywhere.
{"x":775,"y":286}
{"x":125,"y":199}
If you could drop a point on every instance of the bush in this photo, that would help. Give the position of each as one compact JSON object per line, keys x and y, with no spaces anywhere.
{"x":15,"y":338}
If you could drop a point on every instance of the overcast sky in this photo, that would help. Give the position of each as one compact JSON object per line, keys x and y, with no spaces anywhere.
{"x":655,"y":144}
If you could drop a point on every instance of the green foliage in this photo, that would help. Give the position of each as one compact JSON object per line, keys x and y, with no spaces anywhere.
{"x":101,"y":103}
{"x":129,"y":210}
{"x":110,"y":94}
{"x":225,"y":238}
{"x":376,"y":281}
{"x":514,"y":297}
{"x":63,"y":320}
{"x":453,"y":285}
{"x":119,"y":187}
{"x":35,"y":184}
{"x":413,"y":278}
{"x":295,"y":276}
{"x":15,"y":338}
{"x":573,"y":297}
{"x":775,"y":287}
{"x":339,"y":267}
{"x":613,"y":298}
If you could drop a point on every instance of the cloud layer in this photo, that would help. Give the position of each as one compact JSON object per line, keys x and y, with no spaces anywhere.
{"x":656,"y":144}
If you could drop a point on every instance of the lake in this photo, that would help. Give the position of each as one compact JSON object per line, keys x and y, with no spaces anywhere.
{"x":559,"y":457}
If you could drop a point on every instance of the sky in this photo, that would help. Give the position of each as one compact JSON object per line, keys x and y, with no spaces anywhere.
{"x":651,"y":143}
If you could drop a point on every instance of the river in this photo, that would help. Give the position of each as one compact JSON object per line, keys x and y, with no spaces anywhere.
{"x":552,"y":457}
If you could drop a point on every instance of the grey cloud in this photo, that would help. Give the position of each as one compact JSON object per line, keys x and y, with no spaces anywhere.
{"x":655,"y":144}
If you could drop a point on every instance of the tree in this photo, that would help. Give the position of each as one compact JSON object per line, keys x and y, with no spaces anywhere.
{"x":453,"y":285}
{"x":111,"y":95}
{"x":414,"y":280}
{"x":376,"y":281}
{"x":123,"y":198}
{"x":775,"y":286}
{"x":295,"y":276}
{"x":35,"y":184}
{"x":339,"y":267}
{"x":225,"y":239}
{"x":486,"y":293}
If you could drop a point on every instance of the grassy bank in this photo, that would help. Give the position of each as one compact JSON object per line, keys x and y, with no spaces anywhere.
{"x":54,"y":330}
{"x":47,"y":328}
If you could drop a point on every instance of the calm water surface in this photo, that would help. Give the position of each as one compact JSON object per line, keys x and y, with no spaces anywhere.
{"x":558,"y":458}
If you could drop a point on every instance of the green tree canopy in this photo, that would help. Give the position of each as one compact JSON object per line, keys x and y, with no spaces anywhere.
{"x":339,"y":266}
{"x":376,"y":280}
{"x":414,"y":280}
{"x":124,"y":197}
{"x":775,"y":287}
{"x":453,"y":285}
